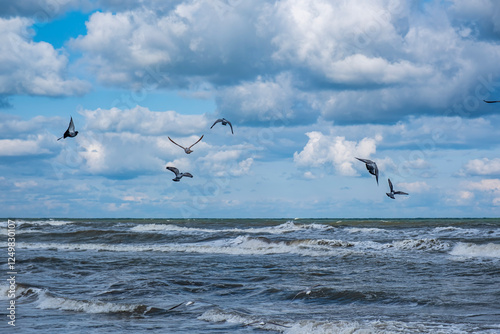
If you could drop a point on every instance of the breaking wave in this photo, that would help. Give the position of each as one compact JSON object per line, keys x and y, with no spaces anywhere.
{"x":287,"y":227}
{"x":474,"y":250}
{"x":217,"y":315}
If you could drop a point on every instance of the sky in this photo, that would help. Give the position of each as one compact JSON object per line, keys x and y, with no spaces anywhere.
{"x":308,"y":87}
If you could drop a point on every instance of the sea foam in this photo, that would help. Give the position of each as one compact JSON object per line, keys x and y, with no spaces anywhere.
{"x":474,"y":250}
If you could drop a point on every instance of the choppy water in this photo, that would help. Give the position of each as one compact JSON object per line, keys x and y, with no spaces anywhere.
{"x":255,"y":276}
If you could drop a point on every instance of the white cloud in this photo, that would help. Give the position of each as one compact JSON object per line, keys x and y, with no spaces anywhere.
{"x":483,"y":166}
{"x":414,"y":187}
{"x":485,"y":185}
{"x":295,"y":59}
{"x":32,"y":68}
{"x":144,"y":121}
{"x":34,"y":145}
{"x":335,"y":150}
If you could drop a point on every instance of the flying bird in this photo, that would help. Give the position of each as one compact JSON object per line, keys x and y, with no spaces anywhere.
{"x":224,"y":122}
{"x":178,"y":175}
{"x":71,"y":130}
{"x":306,"y":291}
{"x":491,"y":101}
{"x":371,"y":166}
{"x":186,"y":149}
{"x":392,"y":193}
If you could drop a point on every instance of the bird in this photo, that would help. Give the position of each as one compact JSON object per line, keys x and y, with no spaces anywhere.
{"x":178,"y":175}
{"x":371,"y":166}
{"x":392,"y":193}
{"x":186,"y":149}
{"x":306,"y":291}
{"x":224,"y":122}
{"x":71,"y":130}
{"x":491,"y":101}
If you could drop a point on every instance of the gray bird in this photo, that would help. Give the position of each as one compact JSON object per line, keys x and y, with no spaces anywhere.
{"x":371,"y":166}
{"x":178,"y":175}
{"x":71,"y":130}
{"x":392,"y":193}
{"x":491,"y":101}
{"x":224,"y":122}
{"x":186,"y":149}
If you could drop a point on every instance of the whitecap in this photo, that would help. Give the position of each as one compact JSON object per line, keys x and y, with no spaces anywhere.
{"x":421,"y":244}
{"x":286,"y":227}
{"x":474,"y":250}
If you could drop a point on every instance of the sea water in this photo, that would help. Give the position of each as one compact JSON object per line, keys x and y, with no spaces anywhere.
{"x":254,"y":276}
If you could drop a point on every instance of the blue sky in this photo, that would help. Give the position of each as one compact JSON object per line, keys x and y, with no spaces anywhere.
{"x":308,"y":86}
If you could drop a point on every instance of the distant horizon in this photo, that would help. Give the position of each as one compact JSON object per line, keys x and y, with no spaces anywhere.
{"x":270,"y":218}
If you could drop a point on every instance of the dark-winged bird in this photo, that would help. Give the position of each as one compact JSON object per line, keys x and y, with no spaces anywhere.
{"x":178,"y":175}
{"x":371,"y":166}
{"x":392,"y":193}
{"x":224,"y":122}
{"x":186,"y":149}
{"x":491,"y":101}
{"x":71,"y":130}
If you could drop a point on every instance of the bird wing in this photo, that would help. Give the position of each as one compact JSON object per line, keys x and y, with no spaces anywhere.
{"x":217,"y":121}
{"x":173,"y":169}
{"x":175,"y":143}
{"x":71,"y":127}
{"x":187,"y":174}
{"x":231,"y":126}
{"x":197,"y":141}
{"x":400,"y":193}
{"x":491,"y":101}
{"x":366,"y":161}
{"x":376,"y":172}
{"x":390,"y":185}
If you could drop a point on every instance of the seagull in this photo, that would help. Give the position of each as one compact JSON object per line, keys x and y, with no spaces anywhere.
{"x":491,"y":101}
{"x":224,"y":122}
{"x":371,"y":166}
{"x":392,"y":193}
{"x":306,"y":291}
{"x":178,"y":176}
{"x":71,"y":130}
{"x":186,"y":149}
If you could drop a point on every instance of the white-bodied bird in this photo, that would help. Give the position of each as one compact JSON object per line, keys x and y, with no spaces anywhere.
{"x":178,"y":175}
{"x":186,"y":149}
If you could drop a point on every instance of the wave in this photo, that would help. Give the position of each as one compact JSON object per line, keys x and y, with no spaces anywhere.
{"x":287,"y":227}
{"x":248,"y":245}
{"x":217,"y":315}
{"x":421,"y":244}
{"x":474,"y":250}
{"x":50,"y":222}
{"x":368,"y":230}
{"x":241,"y":245}
{"x":44,"y":299}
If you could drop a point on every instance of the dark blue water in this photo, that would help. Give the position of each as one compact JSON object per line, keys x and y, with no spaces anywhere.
{"x":255,"y":276}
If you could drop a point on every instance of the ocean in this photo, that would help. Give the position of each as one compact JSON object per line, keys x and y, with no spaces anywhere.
{"x":252,"y":276}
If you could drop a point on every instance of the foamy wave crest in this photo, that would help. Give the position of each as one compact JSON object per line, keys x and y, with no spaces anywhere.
{"x":242,"y":245}
{"x":368,"y":230}
{"x":421,"y":244}
{"x":287,"y":227}
{"x":45,"y":300}
{"x":475,"y":250}
{"x":51,"y":222}
{"x":169,"y":227}
{"x":217,"y":315}
{"x":348,"y":327}
{"x":233,"y":317}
